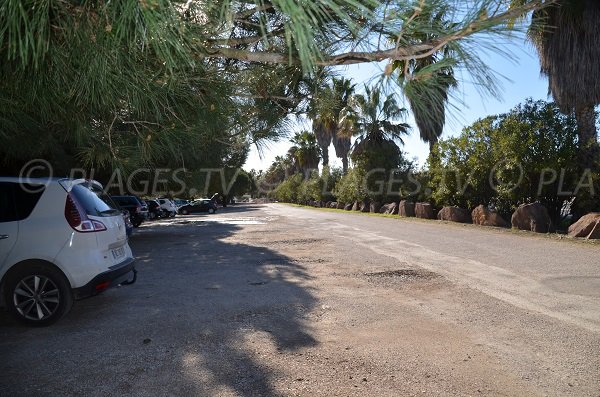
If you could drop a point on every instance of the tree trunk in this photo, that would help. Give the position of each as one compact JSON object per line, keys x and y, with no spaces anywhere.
{"x":432,"y":144}
{"x":325,"y":155}
{"x":588,"y":159}
{"x":588,"y":137}
{"x":345,"y":164}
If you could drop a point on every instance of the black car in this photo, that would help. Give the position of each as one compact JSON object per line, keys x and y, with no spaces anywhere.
{"x":138,"y":210}
{"x":154,"y":209}
{"x":203,"y":205}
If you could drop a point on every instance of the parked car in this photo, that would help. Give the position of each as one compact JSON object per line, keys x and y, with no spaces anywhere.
{"x":168,"y":207}
{"x":60,"y":240}
{"x":154,"y":209}
{"x":180,"y":202}
{"x":138,"y":210}
{"x":128,"y":224}
{"x":202,"y":205}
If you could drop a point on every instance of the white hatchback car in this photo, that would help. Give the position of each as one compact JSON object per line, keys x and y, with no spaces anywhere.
{"x":60,"y":240}
{"x":168,"y":206}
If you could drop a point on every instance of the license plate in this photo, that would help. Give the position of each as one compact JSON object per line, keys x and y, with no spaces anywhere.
{"x":118,"y":253}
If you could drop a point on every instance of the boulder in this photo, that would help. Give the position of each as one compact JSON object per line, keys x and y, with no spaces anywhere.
{"x":327,"y":204}
{"x":393,"y":210}
{"x":389,"y":209}
{"x":533,"y":217}
{"x":454,"y":214}
{"x":424,"y":211}
{"x":484,"y":216}
{"x":341,"y":206}
{"x":332,"y":204}
{"x":364,"y":206}
{"x":406,"y":208}
{"x":356,"y":206}
{"x":385,"y":208}
{"x":588,"y":226}
{"x":375,"y":207}
{"x":348,"y":207}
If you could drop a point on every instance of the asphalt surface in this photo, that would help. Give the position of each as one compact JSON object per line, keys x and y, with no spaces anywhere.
{"x":276,"y":300}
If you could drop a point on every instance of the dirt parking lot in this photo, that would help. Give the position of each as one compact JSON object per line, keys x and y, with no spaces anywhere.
{"x":252,"y":302}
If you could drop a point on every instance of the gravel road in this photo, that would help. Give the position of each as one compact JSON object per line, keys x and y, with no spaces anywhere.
{"x":275,"y":300}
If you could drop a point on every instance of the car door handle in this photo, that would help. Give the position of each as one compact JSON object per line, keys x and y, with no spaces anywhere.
{"x":3,"y":236}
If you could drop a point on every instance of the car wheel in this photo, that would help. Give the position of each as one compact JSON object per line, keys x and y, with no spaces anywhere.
{"x":37,"y":294}
{"x":211,"y":211}
{"x":136,"y":223}
{"x":184,"y":212}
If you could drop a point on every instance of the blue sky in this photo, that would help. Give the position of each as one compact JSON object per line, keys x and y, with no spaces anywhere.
{"x":521,"y":79}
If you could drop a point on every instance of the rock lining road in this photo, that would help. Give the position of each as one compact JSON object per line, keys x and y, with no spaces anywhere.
{"x":275,"y":300}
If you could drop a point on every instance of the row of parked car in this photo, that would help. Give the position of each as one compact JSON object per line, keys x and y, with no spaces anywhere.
{"x":63,"y":239}
{"x":141,"y":210}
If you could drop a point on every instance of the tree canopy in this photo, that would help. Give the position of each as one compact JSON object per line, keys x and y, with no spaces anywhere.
{"x":127,"y":84}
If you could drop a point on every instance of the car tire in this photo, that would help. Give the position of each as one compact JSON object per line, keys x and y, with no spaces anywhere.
{"x":211,"y":211}
{"x":37,"y":294}
{"x":136,"y":223}
{"x":184,"y":212}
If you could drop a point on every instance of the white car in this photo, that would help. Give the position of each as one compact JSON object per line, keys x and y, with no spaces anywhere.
{"x":167,"y":206}
{"x":60,"y":240}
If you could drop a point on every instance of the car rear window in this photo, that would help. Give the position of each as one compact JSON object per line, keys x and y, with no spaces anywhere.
{"x":126,"y":200}
{"x":17,"y":200}
{"x":94,"y":201}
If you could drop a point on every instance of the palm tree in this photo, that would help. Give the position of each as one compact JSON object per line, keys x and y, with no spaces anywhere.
{"x":426,"y":82}
{"x":373,"y":120}
{"x":305,"y":152}
{"x":342,"y":144}
{"x":322,"y":130}
{"x":566,"y":36}
{"x":325,"y":112}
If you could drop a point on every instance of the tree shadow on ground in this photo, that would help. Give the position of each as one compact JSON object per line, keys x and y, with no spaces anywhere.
{"x":241,"y":207}
{"x":203,"y":311}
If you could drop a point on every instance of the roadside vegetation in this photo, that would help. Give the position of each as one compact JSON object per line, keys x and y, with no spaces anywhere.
{"x":503,"y":161}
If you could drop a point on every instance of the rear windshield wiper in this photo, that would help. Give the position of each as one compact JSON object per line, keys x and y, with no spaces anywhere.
{"x":110,"y":211}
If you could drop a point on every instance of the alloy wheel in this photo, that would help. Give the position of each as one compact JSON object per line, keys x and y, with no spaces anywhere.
{"x":36,"y":297}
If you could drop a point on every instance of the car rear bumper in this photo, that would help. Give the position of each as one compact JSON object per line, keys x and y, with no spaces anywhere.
{"x":116,"y":275}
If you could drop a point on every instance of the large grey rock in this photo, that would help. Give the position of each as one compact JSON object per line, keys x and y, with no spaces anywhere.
{"x":389,"y":209}
{"x":454,"y":214}
{"x":406,"y":208}
{"x":365,"y":206}
{"x":341,"y":206}
{"x":348,"y":207}
{"x":375,"y":207}
{"x":393,"y":210}
{"x":533,"y":217}
{"x":484,"y":216}
{"x":424,"y":211}
{"x":356,"y":206}
{"x":588,"y":226}
{"x":332,"y":204}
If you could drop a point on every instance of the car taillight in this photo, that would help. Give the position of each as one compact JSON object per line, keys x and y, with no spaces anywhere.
{"x":78,"y":219}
